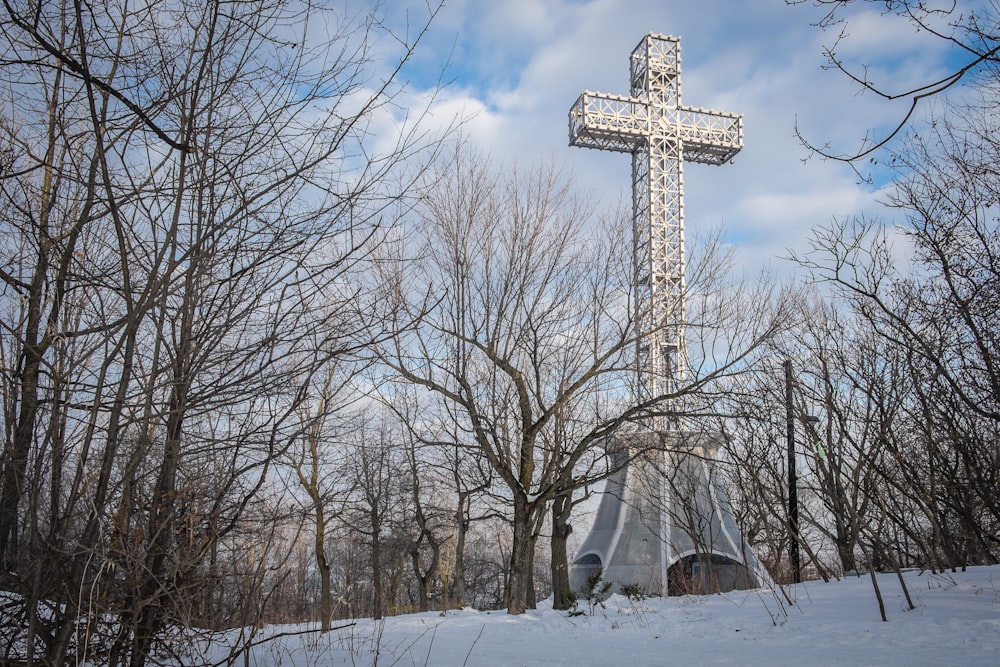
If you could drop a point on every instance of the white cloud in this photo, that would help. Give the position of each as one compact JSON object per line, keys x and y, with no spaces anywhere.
{"x":520,"y":64}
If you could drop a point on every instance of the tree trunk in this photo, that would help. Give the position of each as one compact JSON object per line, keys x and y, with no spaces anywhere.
{"x":845,"y":549}
{"x":457,"y":592}
{"x":325,"y":595}
{"x":377,"y":605}
{"x":425,"y":577}
{"x":520,"y":596}
{"x":158,"y":579}
{"x":561,"y":530}
{"x":158,"y":570}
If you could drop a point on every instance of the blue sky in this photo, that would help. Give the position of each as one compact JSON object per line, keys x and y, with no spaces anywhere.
{"x":516,"y":66}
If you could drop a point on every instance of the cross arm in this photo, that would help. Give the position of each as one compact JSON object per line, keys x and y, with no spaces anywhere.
{"x":608,"y":122}
{"x":709,"y":137}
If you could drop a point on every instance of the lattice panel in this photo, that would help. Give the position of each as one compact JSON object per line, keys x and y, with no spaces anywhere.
{"x":709,"y":137}
{"x":608,"y":122}
{"x":660,"y":134}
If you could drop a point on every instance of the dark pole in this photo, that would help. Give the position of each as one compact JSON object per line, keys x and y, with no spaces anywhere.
{"x":793,"y":500}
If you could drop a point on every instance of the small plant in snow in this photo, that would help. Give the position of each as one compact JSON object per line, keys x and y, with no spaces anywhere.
{"x":596,"y":591}
{"x":574,"y":602}
{"x":634,"y":592}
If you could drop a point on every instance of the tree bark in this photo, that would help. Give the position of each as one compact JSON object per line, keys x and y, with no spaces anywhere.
{"x":462,"y":521}
{"x":325,"y":593}
{"x":561,"y":530}
{"x":520,"y":594}
{"x":376,"y":562}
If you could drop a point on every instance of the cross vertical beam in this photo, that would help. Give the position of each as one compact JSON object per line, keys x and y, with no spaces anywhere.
{"x":660,"y":133}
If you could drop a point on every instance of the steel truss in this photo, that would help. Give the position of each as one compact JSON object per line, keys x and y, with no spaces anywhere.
{"x":661,"y":135}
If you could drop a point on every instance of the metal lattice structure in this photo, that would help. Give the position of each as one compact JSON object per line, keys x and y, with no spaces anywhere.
{"x":663,"y":522}
{"x":661,"y":134}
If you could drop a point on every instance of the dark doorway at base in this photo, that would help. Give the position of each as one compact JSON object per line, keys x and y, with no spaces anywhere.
{"x":705,"y":574}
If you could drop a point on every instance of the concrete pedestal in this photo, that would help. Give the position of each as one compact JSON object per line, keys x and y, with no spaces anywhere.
{"x":664,"y":523}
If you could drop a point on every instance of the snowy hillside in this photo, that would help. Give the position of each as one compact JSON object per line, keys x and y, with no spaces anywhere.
{"x":956,"y":622}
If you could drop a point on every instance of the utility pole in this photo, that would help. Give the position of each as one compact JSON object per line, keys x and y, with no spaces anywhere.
{"x":793,"y":500}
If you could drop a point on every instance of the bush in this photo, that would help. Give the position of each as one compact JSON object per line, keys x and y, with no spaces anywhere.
{"x":596,"y":591}
{"x":634,"y":592}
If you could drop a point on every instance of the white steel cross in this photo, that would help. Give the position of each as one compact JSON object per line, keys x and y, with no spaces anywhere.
{"x":660,"y":134}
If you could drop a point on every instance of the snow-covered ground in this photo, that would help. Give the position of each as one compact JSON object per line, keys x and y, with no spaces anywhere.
{"x":956,"y":622}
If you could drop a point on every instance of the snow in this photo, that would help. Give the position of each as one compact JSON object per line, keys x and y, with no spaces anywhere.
{"x":956,"y":622}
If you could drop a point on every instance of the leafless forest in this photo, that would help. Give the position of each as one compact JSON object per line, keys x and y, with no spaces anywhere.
{"x":275,"y":349}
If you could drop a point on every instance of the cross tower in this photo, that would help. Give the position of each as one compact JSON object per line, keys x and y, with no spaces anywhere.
{"x":663,"y":522}
{"x":661,"y":134}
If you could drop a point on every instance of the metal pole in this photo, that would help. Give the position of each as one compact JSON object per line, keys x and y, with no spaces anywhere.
{"x":793,"y":501}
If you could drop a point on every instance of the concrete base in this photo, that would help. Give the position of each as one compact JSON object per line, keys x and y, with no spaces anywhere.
{"x":664,"y":523}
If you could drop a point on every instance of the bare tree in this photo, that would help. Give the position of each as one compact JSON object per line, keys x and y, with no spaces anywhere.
{"x":323,"y":419}
{"x":375,"y":461}
{"x":930,"y":312}
{"x":186,"y":199}
{"x":971,"y":31}
{"x":462,"y":482}
{"x":523,"y":330}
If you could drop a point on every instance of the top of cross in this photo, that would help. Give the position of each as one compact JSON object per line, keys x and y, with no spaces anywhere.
{"x":654,"y":64}
{"x":654,"y":111}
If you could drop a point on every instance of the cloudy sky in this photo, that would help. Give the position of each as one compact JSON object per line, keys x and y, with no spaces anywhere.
{"x":516,"y":66}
